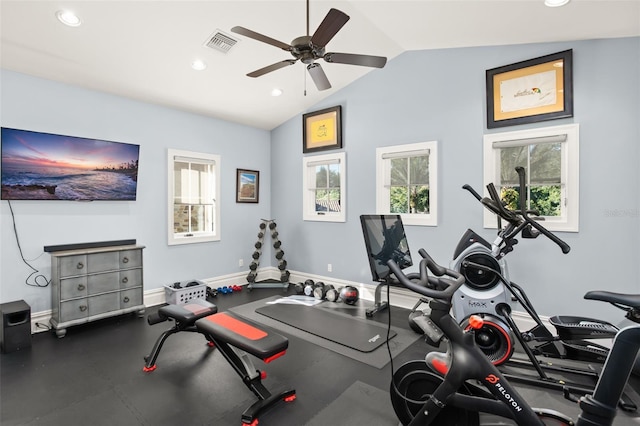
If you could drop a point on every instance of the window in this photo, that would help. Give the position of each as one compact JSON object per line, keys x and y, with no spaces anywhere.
{"x":194,"y":188}
{"x":323,"y":180}
{"x":550,"y":158}
{"x":407,"y":182}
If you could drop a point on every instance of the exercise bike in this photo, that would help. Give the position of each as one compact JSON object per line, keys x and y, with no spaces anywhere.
{"x":488,"y":292}
{"x":444,"y":388}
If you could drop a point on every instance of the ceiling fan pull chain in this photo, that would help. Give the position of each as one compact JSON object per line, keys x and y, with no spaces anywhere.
{"x":307,"y":18}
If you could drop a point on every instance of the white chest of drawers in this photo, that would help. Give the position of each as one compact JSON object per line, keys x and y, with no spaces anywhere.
{"x":95,"y":283}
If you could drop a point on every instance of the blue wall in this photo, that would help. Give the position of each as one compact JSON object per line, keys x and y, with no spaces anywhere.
{"x":41,"y":105}
{"x":440,"y":95}
{"x":418,"y":96}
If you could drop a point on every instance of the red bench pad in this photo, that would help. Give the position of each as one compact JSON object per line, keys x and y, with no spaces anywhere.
{"x":243,"y":334}
{"x":188,"y":313}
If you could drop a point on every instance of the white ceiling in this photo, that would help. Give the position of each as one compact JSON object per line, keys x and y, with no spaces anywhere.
{"x":143,"y":49}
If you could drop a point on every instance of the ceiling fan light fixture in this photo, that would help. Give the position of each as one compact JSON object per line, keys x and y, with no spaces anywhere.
{"x":198,"y":65}
{"x":555,"y":3}
{"x":68,"y":18}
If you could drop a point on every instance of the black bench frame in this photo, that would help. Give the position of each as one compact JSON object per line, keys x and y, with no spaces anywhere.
{"x":239,"y":359}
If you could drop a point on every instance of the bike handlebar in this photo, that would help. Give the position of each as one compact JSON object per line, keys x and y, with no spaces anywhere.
{"x":439,"y":286}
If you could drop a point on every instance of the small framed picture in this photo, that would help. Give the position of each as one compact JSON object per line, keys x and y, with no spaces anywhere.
{"x":530,"y":91}
{"x":322,"y":130}
{"x":247,"y":186}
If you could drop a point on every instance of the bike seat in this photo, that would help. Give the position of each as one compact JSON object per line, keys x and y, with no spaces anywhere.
{"x":631,"y":300}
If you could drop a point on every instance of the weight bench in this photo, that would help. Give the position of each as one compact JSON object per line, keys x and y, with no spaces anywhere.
{"x":236,"y":338}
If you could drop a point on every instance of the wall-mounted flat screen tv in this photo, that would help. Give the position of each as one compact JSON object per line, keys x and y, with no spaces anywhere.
{"x":385,"y":240}
{"x":44,"y":166}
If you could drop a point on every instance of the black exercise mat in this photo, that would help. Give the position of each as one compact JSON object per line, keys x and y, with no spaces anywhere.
{"x":378,"y":358}
{"x":334,"y":326}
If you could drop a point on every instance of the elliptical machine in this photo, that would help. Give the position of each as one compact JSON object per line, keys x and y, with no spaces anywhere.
{"x":489,"y":293}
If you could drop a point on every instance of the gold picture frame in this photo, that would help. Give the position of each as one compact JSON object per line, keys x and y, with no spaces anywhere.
{"x":322,"y":130}
{"x":247,"y":186}
{"x":530,"y":91}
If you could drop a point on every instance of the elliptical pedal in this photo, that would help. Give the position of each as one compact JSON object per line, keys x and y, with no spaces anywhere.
{"x":576,"y":328}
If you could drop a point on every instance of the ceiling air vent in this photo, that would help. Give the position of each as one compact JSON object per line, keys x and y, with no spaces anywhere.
{"x":220,"y":41}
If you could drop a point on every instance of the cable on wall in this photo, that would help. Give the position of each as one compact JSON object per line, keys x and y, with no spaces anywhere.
{"x":38,"y":278}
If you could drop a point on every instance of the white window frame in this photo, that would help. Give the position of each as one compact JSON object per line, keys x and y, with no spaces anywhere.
{"x":569,"y":175}
{"x":201,"y":237}
{"x":383,"y":180}
{"x":309,"y":164}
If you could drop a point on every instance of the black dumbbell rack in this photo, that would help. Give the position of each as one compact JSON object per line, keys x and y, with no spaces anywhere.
{"x":268,"y":226}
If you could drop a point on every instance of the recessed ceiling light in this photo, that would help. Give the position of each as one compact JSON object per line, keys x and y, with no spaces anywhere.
{"x":276,"y":92}
{"x":198,"y":65}
{"x":555,"y":3}
{"x":68,"y":18}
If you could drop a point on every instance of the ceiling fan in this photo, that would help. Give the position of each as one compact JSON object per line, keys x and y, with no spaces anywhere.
{"x":308,"y":49}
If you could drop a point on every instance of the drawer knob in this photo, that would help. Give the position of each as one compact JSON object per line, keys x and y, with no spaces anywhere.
{"x":81,"y":287}
{"x":125,"y":280}
{"x":126,"y":299}
{"x":83,"y":308}
{"x":80,"y":265}
{"x":125,"y":260}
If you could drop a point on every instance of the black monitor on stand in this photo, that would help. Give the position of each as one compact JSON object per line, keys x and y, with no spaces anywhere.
{"x":385,"y":239}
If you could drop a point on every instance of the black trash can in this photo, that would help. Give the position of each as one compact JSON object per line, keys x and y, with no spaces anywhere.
{"x":15,"y":326}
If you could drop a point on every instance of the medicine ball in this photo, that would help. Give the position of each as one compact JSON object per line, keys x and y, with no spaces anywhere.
{"x":349,"y":295}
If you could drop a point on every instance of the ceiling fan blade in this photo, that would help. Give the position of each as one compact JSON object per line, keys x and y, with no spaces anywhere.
{"x":319,"y":77}
{"x":263,"y":38}
{"x":272,"y":67}
{"x":329,"y":27}
{"x":353,"y":59}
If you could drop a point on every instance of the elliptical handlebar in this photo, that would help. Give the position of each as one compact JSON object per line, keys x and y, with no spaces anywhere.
{"x":523,"y":211}
{"x":441,"y":286}
{"x":519,"y":219}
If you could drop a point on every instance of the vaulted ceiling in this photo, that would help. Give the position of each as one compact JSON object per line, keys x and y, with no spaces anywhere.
{"x":144,"y":49}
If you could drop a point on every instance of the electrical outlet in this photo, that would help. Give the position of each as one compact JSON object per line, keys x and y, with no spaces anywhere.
{"x":241,"y":262}
{"x":329,"y":267}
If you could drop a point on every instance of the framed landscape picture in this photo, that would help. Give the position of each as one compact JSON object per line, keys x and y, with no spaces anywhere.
{"x":247,"y":186}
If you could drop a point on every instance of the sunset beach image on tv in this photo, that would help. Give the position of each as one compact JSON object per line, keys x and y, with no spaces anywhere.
{"x":44,"y":166}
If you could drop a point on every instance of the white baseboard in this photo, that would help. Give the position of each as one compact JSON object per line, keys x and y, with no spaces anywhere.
{"x":398,"y":296}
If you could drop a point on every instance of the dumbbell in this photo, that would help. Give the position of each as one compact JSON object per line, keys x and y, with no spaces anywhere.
{"x":299,"y":287}
{"x":272,"y":225}
{"x":282,"y":264}
{"x":333,"y":295}
{"x":236,"y":287}
{"x":258,"y":244}
{"x":225,"y":290}
{"x":277,"y":244}
{"x":279,"y":254}
{"x":274,"y":235}
{"x":253,"y":265}
{"x":256,"y":254}
{"x":320,"y":291}
{"x":284,"y":277}
{"x":263,"y":225}
{"x":309,"y":285}
{"x":251,"y":277}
